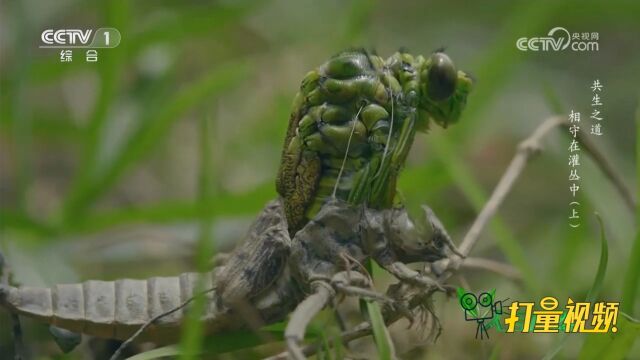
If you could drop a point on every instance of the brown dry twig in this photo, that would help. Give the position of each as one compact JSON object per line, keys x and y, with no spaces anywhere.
{"x":497,"y":267}
{"x":526,"y":150}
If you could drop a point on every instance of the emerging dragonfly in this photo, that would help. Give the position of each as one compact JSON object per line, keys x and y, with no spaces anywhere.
{"x":351,"y":128}
{"x":353,"y":123}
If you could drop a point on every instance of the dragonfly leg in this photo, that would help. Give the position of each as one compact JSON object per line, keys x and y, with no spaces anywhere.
{"x":406,"y":274}
{"x":351,"y":283}
{"x":302,"y":315}
{"x":354,"y":283}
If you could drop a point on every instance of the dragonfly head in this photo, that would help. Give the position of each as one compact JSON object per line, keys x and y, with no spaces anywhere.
{"x":444,"y":90}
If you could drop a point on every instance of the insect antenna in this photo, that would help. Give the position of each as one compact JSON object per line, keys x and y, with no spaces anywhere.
{"x":344,"y":159}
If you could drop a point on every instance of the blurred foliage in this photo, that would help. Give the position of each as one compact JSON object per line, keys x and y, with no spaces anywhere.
{"x":138,"y":164}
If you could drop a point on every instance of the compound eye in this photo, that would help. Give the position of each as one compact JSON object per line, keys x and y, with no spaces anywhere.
{"x":485,"y":299}
{"x":468,"y":301}
{"x":441,"y":77}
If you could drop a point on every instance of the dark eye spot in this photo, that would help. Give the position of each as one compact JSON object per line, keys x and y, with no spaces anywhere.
{"x":441,"y":77}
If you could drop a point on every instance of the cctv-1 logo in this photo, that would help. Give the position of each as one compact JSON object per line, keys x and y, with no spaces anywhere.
{"x":76,"y":38}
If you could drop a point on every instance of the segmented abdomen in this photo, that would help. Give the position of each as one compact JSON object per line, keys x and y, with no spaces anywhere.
{"x":114,"y":309}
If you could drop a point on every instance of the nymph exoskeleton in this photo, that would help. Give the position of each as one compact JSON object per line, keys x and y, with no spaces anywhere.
{"x":353,"y":124}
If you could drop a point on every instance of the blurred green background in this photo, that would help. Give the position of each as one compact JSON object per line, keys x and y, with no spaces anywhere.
{"x":116,"y":169}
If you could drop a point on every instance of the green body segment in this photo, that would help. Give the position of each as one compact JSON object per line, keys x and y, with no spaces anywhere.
{"x":351,"y":128}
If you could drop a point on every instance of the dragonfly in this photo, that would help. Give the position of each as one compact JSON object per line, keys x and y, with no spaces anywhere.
{"x":352,"y":125}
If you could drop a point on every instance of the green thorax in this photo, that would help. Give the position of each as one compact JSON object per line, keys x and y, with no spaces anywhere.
{"x":353,"y":123}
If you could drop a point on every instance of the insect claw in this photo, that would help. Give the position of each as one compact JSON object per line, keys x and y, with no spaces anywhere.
{"x":404,"y":311}
{"x":404,"y":273}
{"x":351,"y":278}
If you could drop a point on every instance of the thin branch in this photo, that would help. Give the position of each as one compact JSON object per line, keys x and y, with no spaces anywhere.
{"x":497,"y":267}
{"x":526,"y":150}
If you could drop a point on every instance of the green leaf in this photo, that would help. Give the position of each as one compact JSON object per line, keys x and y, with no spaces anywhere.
{"x":19,"y":220}
{"x":380,"y":334}
{"x":247,"y":203}
{"x":193,"y":333}
{"x":221,"y":343}
{"x":237,"y":340}
{"x":338,"y":347}
{"x":602,"y":265}
{"x":593,"y":292}
{"x":157,"y":353}
{"x":325,"y":350}
{"x":632,"y":278}
{"x":495,"y":353}
{"x":109,"y":69}
{"x":632,"y":275}
{"x":612,"y":346}
{"x":145,"y":139}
